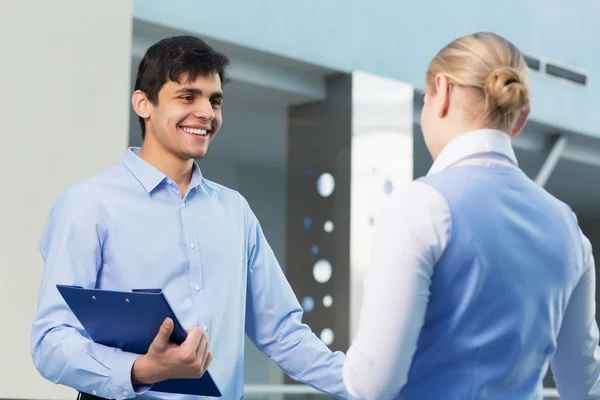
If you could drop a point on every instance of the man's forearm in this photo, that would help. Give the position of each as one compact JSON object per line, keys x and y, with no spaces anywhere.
{"x":64,"y":356}
{"x":305,"y":358}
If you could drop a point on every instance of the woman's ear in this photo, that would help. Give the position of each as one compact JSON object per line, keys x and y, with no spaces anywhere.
{"x":521,"y":121}
{"x":443,"y":92}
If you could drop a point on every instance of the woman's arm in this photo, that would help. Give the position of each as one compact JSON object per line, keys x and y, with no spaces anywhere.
{"x":411,"y":236}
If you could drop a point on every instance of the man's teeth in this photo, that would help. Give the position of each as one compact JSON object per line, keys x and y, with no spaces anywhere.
{"x":201,"y":132}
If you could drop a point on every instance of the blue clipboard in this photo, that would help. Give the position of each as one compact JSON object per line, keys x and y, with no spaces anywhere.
{"x":130,"y":321}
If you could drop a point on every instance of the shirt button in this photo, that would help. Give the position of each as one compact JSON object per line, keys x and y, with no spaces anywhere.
{"x":94,"y":392}
{"x":169,"y":181}
{"x":205,"y":328}
{"x":197,"y":287}
{"x":125,"y":394}
{"x":183,"y":205}
{"x":193,"y":245}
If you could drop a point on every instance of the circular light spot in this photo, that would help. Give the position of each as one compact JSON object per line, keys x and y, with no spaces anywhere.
{"x":314,"y":250}
{"x":328,"y":226}
{"x":388,"y":187}
{"x":306,"y":222}
{"x":327,"y":336}
{"x":327,"y":301}
{"x":308,"y":304}
{"x":309,"y":171}
{"x":325,"y":184}
{"x":322,"y":271}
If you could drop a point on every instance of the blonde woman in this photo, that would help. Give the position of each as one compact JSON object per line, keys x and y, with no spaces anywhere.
{"x":480,"y":279}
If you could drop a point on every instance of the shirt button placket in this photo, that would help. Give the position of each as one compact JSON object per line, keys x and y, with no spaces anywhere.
{"x":193,"y":256}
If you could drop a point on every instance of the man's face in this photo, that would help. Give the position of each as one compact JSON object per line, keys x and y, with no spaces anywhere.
{"x":187,"y":116}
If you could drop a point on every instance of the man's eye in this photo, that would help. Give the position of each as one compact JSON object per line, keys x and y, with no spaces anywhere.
{"x":187,"y":98}
{"x":216,"y":102}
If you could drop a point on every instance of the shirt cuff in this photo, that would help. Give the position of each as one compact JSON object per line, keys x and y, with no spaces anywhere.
{"x":123,"y":387}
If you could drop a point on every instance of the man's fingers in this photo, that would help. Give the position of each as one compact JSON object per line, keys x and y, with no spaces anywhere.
{"x":190,"y":345}
{"x":204,"y":353}
{"x":203,"y":346}
{"x":164,"y":333}
{"x":207,"y":362}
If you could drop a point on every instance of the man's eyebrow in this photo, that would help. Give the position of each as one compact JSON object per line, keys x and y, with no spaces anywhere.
{"x":198,"y":92}
{"x":189,"y":90}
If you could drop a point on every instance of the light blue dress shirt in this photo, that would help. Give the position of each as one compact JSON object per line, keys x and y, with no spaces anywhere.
{"x":129,"y":227}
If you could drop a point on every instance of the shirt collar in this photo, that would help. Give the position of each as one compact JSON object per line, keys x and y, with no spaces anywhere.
{"x":474,"y":143}
{"x":150,"y":177}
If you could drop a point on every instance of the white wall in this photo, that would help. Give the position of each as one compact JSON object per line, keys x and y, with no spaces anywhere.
{"x":64,"y":116}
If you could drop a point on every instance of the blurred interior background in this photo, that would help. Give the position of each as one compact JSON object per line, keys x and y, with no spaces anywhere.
{"x":321,"y":123}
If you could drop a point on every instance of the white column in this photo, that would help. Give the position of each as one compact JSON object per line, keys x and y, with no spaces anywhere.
{"x":382,"y":160}
{"x":64,"y":104}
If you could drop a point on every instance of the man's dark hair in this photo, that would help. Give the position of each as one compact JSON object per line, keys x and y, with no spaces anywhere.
{"x":171,"y":57}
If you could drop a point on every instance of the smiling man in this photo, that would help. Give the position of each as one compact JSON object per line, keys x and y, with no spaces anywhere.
{"x":155,"y":222}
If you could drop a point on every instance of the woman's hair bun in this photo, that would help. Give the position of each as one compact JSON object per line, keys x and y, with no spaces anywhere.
{"x":505,"y":92}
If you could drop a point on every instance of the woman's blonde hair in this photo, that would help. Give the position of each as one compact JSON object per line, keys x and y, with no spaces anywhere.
{"x":491,"y":65}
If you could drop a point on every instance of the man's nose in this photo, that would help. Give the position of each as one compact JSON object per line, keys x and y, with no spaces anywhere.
{"x":204,"y":110}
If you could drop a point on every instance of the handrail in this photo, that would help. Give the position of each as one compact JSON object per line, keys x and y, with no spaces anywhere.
{"x":548,"y":393}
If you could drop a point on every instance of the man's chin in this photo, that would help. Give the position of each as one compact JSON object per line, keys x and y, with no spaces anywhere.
{"x":196,"y":155}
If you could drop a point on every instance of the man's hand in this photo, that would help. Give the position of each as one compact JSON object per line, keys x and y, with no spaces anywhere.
{"x":166,"y":360}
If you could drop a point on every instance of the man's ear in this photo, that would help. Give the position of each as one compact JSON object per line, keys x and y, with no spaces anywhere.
{"x":141,"y":104}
